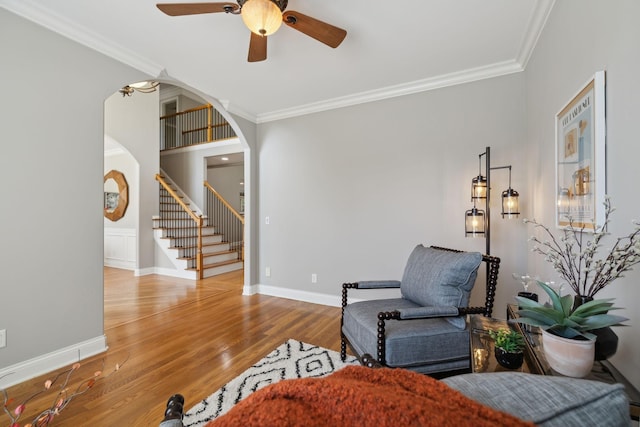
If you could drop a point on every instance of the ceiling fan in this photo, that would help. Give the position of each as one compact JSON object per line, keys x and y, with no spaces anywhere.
{"x":263,"y":18}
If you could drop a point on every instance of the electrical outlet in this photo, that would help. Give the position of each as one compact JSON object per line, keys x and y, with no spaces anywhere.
{"x":314,"y":278}
{"x":3,"y":338}
{"x":267,"y":271}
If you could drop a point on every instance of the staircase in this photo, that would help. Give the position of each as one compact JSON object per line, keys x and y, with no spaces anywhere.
{"x":176,"y":233}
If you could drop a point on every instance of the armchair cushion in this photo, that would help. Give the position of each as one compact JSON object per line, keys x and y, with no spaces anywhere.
{"x":424,"y":343}
{"x":434,"y":277}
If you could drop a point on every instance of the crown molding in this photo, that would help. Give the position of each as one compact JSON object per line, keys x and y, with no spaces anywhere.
{"x":445,"y":80}
{"x":82,"y":35}
{"x":538,"y":20}
{"x":536,"y":24}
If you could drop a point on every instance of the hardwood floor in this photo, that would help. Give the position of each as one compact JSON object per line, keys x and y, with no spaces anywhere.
{"x":182,"y":337}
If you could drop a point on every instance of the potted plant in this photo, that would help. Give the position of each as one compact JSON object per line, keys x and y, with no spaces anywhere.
{"x":509,"y":346}
{"x":567,"y":337}
{"x":587,"y":265}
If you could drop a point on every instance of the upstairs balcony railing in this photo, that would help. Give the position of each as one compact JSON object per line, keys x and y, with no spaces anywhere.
{"x":194,"y":126}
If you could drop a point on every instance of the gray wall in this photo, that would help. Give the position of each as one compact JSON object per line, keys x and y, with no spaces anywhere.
{"x":188,"y":169}
{"x":132,"y":121}
{"x":580,"y":38}
{"x":51,"y":221}
{"x":350,"y":192}
{"x":226,"y":181}
{"x":248,"y":131}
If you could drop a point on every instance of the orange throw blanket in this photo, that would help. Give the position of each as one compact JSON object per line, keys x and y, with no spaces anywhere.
{"x":360,"y":396}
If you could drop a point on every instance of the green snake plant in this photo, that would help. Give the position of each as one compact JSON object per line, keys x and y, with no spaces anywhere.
{"x":562,"y":319}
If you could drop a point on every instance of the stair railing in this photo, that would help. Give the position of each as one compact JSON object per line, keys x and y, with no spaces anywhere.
{"x":173,"y":221}
{"x":193,"y":126}
{"x":227,"y":220}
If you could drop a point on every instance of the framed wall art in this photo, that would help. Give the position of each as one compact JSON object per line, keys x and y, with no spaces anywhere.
{"x":580,"y":157}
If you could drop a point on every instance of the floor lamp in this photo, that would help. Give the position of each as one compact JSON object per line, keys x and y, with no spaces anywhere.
{"x":477,"y":221}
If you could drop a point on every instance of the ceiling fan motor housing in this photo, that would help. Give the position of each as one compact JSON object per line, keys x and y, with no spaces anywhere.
{"x":282,"y":4}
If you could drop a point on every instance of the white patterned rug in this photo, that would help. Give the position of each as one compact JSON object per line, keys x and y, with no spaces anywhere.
{"x":293,"y":359}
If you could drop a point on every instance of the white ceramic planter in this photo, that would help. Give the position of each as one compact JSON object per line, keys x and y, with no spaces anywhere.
{"x":573,"y":358}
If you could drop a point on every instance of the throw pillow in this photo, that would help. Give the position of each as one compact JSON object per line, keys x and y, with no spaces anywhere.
{"x":435,"y":277}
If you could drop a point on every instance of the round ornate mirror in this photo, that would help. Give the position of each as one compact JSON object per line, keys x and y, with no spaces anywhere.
{"x":116,"y":195}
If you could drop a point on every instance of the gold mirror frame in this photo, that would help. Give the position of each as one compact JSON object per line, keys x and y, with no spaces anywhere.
{"x":123,"y":198}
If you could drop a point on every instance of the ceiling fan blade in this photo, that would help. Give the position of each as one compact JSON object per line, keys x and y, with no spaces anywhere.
{"x":178,"y":9}
{"x":319,"y":30}
{"x":257,"y":48}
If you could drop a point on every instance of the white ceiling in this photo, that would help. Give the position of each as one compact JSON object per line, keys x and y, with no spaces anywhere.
{"x":390,"y":48}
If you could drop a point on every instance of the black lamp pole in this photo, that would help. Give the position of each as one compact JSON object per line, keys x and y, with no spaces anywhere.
{"x":510,"y":206}
{"x":487,"y":155}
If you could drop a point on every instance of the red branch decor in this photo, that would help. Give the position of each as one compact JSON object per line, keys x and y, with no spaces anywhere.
{"x":61,"y":399}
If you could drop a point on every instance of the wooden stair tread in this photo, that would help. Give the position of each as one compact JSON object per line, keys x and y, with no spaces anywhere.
{"x":192,"y":258}
{"x":184,"y":228}
{"x":204,"y":245}
{"x":217,"y":264}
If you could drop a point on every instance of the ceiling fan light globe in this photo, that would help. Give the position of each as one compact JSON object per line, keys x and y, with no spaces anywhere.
{"x":262,"y":17}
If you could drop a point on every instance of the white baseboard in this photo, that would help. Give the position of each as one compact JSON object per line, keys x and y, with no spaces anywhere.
{"x":294,"y":294}
{"x":116,"y":263}
{"x":144,"y":271}
{"x":318,"y":298}
{"x":40,"y":365}
{"x":182,"y":274}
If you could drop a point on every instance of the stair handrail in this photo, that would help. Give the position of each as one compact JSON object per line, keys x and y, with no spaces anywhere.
{"x":226,"y":204}
{"x":198,"y":220}
{"x":230,"y":209}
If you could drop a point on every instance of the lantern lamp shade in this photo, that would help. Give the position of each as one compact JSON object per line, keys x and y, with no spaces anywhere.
{"x":510,"y":208}
{"x":474,"y":223}
{"x":262,"y":17}
{"x":478,"y":188}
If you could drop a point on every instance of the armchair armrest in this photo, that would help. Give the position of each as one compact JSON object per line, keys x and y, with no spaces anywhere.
{"x":427,"y":312}
{"x":377,"y":284}
{"x":367,"y":284}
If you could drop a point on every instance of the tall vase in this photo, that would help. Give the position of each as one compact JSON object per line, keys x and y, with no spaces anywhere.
{"x":607,"y":341}
{"x":578,"y":300}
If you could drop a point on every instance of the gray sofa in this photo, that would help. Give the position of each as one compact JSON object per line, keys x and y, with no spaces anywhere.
{"x":547,"y":401}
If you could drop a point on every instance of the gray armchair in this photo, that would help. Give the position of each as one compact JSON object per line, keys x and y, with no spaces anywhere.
{"x":425,"y":330}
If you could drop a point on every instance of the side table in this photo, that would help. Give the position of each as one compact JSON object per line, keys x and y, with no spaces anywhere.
{"x":602,"y":370}
{"x":482,"y":345}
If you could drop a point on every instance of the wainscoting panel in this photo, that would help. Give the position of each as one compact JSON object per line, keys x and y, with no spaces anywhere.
{"x":120,"y":248}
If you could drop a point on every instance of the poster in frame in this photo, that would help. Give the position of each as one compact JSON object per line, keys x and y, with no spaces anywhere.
{"x":580,"y":157}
